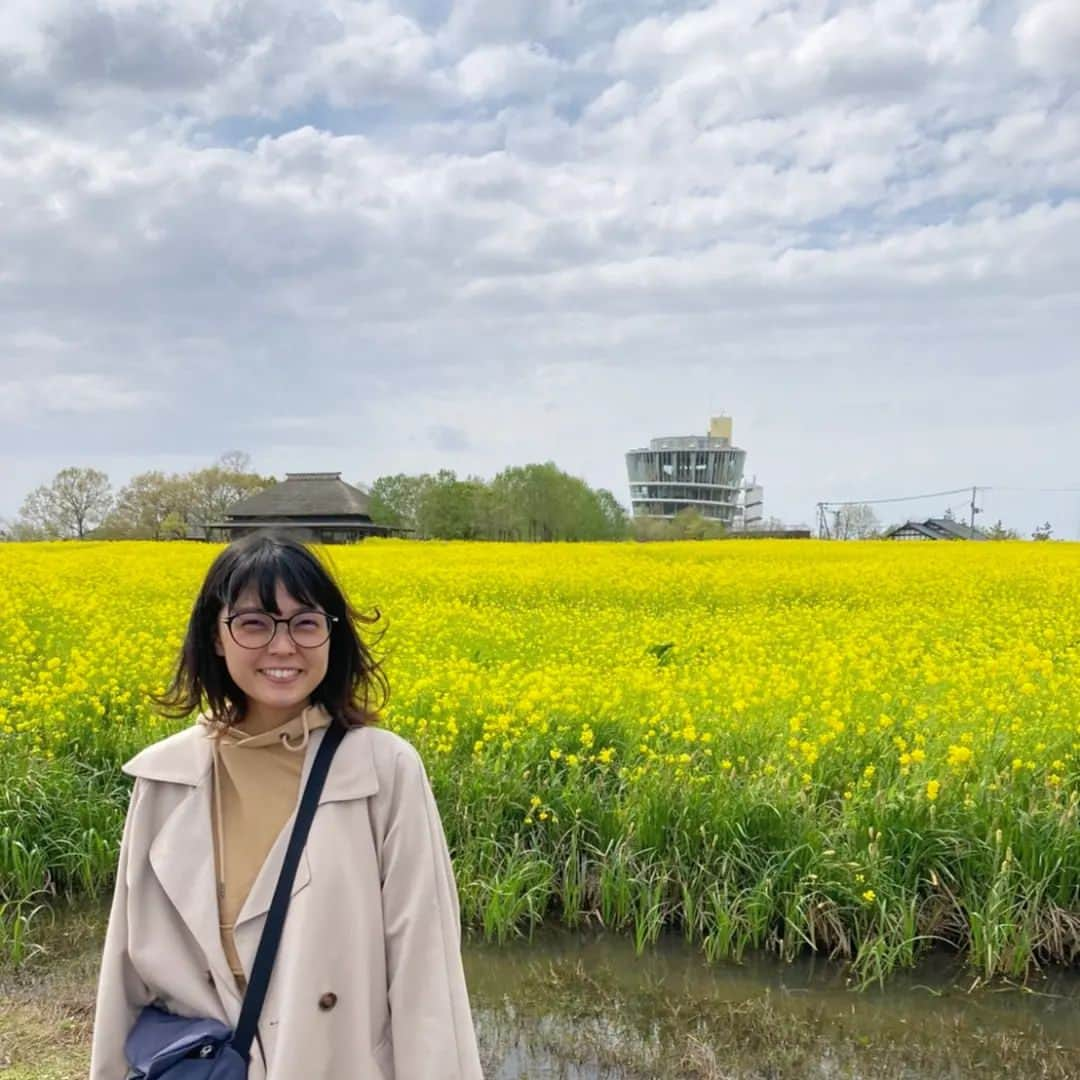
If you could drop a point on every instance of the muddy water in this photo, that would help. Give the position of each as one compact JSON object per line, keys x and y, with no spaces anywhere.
{"x":582,"y":1006}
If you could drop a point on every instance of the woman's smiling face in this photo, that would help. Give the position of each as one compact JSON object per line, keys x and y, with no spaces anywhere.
{"x":277,"y":678}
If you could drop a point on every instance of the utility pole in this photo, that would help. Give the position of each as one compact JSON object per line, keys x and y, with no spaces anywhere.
{"x":974,"y":509}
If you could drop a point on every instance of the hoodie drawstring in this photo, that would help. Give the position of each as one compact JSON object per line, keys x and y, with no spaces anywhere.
{"x":302,"y":744}
{"x":219,"y":824}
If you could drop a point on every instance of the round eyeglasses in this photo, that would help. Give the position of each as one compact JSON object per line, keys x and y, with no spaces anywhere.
{"x":256,"y":629}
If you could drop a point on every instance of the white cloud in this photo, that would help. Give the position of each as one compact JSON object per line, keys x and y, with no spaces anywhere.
{"x":479,"y":22}
{"x":89,"y":393}
{"x":496,"y":71}
{"x":365,"y":211}
{"x":1048,"y":36}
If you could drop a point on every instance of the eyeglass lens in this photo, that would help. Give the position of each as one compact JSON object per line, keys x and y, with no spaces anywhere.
{"x":254,"y":629}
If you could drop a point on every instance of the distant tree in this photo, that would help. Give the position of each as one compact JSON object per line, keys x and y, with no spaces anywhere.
{"x":857,"y":522}
{"x":688,"y":524}
{"x":647,"y":529}
{"x":485,"y":510}
{"x":393,"y":500}
{"x":75,"y":502}
{"x":537,"y":502}
{"x":527,"y":498}
{"x":446,"y":507}
{"x":151,"y":506}
{"x":23,"y":530}
{"x":997,"y":531}
{"x":236,"y":461}
{"x":508,"y":509}
{"x":38,"y":515}
{"x":541,"y":502}
{"x":175,"y":526}
{"x":207,"y":494}
{"x":615,"y":517}
{"x":1043,"y":532}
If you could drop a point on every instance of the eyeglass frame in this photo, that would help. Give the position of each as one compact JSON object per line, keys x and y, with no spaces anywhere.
{"x":330,"y":619}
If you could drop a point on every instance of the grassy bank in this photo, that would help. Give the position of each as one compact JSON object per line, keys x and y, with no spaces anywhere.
{"x":864,"y":749}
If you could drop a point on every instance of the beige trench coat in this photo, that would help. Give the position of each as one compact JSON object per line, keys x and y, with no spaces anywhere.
{"x":368,"y":980}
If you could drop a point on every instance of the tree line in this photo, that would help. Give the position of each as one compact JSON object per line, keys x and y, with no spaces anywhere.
{"x":529,"y":503}
{"x":79,"y":503}
{"x":536,"y":502}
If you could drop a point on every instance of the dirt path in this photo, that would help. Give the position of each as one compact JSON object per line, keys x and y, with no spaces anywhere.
{"x":47,"y":1008}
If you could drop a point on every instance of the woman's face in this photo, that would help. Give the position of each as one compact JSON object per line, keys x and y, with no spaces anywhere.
{"x":277,"y":678}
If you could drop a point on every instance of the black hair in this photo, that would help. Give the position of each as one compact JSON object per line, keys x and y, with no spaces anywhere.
{"x":354,"y":688}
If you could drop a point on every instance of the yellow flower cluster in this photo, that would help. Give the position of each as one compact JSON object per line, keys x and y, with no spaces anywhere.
{"x":841,"y":714}
{"x":930,"y":671}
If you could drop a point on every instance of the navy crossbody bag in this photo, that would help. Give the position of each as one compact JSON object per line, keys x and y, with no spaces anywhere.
{"x":161,"y":1044}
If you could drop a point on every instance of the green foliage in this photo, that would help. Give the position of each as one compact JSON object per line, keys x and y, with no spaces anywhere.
{"x":151,"y":506}
{"x":447,"y":507}
{"x":530,"y":502}
{"x":158,"y":506}
{"x":393,"y":500}
{"x":688,"y":524}
{"x":145,"y":505}
{"x":207,"y":494}
{"x":998,"y":531}
{"x":75,"y":501}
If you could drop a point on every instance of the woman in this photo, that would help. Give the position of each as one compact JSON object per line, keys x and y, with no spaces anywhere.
{"x":368,"y":980}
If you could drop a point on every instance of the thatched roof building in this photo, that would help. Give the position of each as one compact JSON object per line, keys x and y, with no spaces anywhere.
{"x":311,"y":506}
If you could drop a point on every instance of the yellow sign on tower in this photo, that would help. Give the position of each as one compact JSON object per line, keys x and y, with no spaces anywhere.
{"x":720,"y":427}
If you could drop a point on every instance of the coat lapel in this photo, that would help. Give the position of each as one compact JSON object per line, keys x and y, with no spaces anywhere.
{"x":182,"y":858}
{"x":181,"y":854}
{"x":351,"y":776}
{"x":262,"y":889}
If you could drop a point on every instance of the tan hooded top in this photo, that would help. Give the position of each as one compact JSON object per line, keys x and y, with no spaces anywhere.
{"x":256,"y":787}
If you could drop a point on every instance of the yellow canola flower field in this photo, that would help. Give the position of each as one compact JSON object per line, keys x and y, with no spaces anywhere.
{"x":858,"y":747}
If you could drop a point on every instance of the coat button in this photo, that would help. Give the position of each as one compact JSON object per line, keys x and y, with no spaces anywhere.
{"x":328,"y":1000}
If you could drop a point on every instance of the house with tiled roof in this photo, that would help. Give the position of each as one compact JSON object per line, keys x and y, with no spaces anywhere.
{"x":934,"y":529}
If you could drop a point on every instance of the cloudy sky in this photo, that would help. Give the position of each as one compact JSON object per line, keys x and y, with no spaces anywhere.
{"x":399,"y":236}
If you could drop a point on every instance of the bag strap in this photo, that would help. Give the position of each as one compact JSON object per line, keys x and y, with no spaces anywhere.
{"x":279,"y":905}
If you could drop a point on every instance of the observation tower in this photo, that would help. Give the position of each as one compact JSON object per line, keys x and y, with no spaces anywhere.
{"x":702,"y":471}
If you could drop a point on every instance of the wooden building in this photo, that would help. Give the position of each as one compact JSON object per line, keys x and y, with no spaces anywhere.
{"x":934,"y":529}
{"x":317,"y":507}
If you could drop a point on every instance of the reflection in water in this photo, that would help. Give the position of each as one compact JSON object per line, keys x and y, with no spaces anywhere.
{"x":584,"y":1007}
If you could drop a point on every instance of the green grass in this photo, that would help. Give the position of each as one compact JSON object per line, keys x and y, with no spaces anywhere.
{"x":775,"y":722}
{"x":735,"y":868}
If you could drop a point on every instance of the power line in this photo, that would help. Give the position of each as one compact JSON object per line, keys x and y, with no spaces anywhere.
{"x":954,"y":491}
{"x":1036,"y":491}
{"x":902,"y":498}
{"x":824,"y":508}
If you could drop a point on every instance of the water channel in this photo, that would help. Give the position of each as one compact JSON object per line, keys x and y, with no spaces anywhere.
{"x":582,"y":1006}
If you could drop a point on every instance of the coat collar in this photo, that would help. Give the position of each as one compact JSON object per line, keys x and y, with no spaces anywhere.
{"x":187,"y":758}
{"x":181,"y":853}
